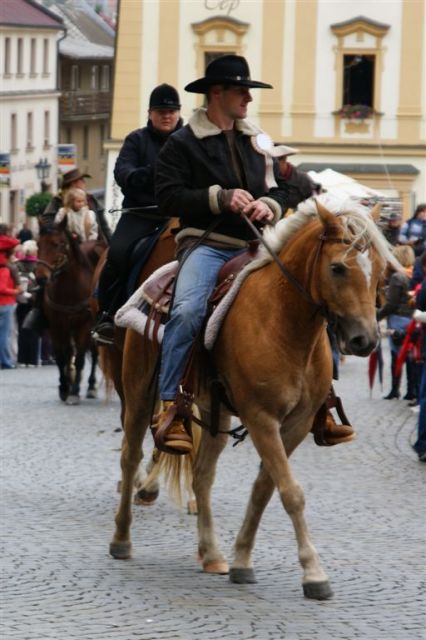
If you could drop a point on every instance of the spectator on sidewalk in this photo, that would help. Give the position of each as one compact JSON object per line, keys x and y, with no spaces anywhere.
{"x":9,"y":289}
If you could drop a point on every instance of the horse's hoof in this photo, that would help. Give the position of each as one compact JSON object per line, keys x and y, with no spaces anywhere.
{"x":72,"y":400}
{"x":63,"y":395}
{"x":219,"y":567}
{"x":91,"y":394}
{"x":192,"y":507}
{"x":242,"y":576}
{"x":146,"y":498}
{"x":317,"y":590}
{"x":120,"y":550}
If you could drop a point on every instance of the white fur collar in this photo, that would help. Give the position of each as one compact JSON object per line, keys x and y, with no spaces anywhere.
{"x":202,"y":127}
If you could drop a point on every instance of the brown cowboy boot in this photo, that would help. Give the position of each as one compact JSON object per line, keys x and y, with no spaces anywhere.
{"x":336,"y":433}
{"x":171,"y":437}
{"x":325,"y":429}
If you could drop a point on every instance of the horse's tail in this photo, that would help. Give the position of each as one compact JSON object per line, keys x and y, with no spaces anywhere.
{"x":176,"y":470}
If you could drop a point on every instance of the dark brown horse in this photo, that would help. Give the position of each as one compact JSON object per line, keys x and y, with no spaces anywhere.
{"x":67,"y":267}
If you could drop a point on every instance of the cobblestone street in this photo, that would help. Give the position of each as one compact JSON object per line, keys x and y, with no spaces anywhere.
{"x":60,"y":465}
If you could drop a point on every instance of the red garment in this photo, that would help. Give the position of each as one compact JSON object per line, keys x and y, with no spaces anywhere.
{"x":7,"y":286}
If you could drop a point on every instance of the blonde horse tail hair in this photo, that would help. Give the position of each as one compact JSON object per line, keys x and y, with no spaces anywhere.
{"x":176,"y":470}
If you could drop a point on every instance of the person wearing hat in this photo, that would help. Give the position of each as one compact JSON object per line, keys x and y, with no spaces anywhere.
{"x":9,"y":289}
{"x":208,"y":174}
{"x":134,"y":173}
{"x":392,"y":227}
{"x":75,"y":179}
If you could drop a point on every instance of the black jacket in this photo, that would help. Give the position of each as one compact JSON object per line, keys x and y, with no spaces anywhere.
{"x":421,"y":304}
{"x":195,"y":164}
{"x":134,"y":167}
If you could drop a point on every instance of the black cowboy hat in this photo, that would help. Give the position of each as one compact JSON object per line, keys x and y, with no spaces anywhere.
{"x":164,"y":97}
{"x":230,"y":69}
{"x":72,"y":176}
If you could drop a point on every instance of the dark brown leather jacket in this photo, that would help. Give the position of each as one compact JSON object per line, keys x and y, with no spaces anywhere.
{"x":195,"y":164}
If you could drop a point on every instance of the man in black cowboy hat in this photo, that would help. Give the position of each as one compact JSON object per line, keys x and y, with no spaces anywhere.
{"x":208,"y":174}
{"x":134,"y":173}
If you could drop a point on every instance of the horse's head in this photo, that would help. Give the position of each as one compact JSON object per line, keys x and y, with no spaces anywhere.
{"x":352,"y":258}
{"x":54,"y":247}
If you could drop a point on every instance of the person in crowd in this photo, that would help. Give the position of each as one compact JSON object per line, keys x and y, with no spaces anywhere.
{"x":391,"y":227}
{"x":418,"y":270}
{"x":24,"y":233}
{"x":28,"y":339}
{"x":420,"y":315}
{"x":75,"y":179}
{"x":300,"y":184}
{"x":81,"y":221}
{"x":413,"y":232}
{"x":209,"y":173}
{"x":398,"y":311}
{"x":134,"y":173}
{"x":9,"y":289}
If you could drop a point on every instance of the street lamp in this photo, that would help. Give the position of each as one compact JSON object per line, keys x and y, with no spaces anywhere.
{"x":43,"y":169}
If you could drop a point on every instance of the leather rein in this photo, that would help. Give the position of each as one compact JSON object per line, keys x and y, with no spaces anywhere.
{"x":323,"y":238}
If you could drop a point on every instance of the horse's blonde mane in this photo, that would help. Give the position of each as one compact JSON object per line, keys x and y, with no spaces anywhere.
{"x":355,"y":217}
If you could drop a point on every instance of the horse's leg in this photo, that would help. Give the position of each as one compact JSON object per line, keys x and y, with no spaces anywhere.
{"x":242,"y":569}
{"x":146,"y":494}
{"x":74,"y":396}
{"x":204,"y":471}
{"x":271,"y":449}
{"x":136,"y":421}
{"x":62,"y":360}
{"x":92,"y":389}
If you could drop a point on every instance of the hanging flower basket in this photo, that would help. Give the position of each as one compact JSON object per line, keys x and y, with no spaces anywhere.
{"x":355,"y":112}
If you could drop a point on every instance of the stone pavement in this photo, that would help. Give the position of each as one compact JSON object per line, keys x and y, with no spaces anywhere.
{"x":60,"y":465}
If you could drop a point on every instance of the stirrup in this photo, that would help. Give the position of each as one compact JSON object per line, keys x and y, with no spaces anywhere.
{"x":103,"y":331}
{"x":171,"y":432}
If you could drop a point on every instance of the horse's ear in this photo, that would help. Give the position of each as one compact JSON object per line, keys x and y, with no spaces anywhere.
{"x":327,"y":218}
{"x":376,"y":211}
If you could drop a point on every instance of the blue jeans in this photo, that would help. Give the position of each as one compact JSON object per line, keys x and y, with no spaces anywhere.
{"x":6,"y":319}
{"x":196,"y":281}
{"x":420,"y":445}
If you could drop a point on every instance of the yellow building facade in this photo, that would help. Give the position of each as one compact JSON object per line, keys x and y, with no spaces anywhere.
{"x":324,"y":59}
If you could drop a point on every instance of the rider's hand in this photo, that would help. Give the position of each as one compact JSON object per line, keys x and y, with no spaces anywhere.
{"x":235,"y":199}
{"x":258,"y":211}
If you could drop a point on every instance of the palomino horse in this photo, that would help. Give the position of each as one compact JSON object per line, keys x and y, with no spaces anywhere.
{"x":67,"y":266}
{"x":273,"y":356}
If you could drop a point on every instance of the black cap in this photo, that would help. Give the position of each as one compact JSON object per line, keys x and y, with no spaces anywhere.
{"x":229,"y":69}
{"x":164,"y":97}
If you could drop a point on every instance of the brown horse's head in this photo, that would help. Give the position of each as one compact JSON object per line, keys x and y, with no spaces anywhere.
{"x":352,"y":259}
{"x":57,"y":249}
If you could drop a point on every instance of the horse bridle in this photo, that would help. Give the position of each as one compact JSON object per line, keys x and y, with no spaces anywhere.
{"x":56,"y":269}
{"x":321,"y":307}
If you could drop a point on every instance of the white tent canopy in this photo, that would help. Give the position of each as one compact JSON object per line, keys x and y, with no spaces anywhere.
{"x":341,"y":185}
